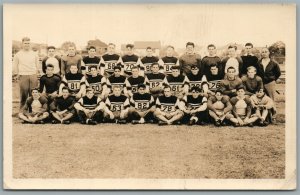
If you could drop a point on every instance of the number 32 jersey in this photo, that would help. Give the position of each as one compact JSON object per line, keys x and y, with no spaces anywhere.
{"x":73,"y":82}
{"x":142,"y":102}
{"x":117,"y":103}
{"x":167,"y":104}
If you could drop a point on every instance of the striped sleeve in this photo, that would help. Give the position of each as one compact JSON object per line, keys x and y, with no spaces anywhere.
{"x":103,"y":81}
{"x":126,"y":103}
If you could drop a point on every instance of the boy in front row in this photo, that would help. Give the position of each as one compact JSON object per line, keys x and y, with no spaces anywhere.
{"x":35,"y":109}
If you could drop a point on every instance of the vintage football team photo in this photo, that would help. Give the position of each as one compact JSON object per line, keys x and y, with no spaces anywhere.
{"x":152,"y":92}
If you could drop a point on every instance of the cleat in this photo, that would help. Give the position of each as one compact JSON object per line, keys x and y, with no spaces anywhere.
{"x":223,"y":123}
{"x":122,"y":121}
{"x":54,"y":121}
{"x":82,"y":122}
{"x":67,"y":122}
{"x":162,"y":123}
{"x":250,"y":125}
{"x":134,"y":122}
{"x":218,"y":123}
{"x":91,"y":122}
{"x":150,"y":121}
{"x":236,"y":125}
{"x":176,"y":123}
{"x":201,"y":123}
{"x":192,"y":122}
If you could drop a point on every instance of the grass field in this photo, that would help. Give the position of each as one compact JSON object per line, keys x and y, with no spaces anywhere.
{"x":148,"y":151}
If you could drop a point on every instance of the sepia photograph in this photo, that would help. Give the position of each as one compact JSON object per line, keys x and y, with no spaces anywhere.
{"x":149,"y":96}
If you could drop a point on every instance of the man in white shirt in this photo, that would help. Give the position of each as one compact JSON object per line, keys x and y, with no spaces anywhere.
{"x":25,"y":67}
{"x":53,"y":59}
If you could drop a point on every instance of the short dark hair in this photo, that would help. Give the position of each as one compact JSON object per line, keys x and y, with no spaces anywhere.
{"x":51,"y":47}
{"x":135,"y":67}
{"x":89,"y":89}
{"x":194,"y":66}
{"x":240,"y":87}
{"x":92,"y":47}
{"x":261,"y":89}
{"x":49,"y":65}
{"x":149,"y":48}
{"x":175,"y":68}
{"x":219,"y":91}
{"x":231,"y":67}
{"x":190,"y":43}
{"x":25,"y":39}
{"x":117,"y":67}
{"x":65,"y":88}
{"x":130,"y":46}
{"x":249,"y":44}
{"x":154,"y":63}
{"x":93,"y":66}
{"x":34,"y":89}
{"x":167,"y":87}
{"x":232,"y":46}
{"x":141,"y":85}
{"x":213,"y":65}
{"x":211,"y":45}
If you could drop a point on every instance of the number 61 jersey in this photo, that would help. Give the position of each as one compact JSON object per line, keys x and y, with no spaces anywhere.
{"x":142,"y":102}
{"x":73,"y":82}
{"x":167,"y":104}
{"x":117,"y":103}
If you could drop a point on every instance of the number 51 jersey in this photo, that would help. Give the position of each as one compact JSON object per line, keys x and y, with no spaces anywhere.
{"x":117,"y":103}
{"x":167,"y":104}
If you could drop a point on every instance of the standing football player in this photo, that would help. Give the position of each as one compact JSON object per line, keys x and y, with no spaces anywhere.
{"x":232,"y":60}
{"x":154,"y":80}
{"x":90,"y":108}
{"x":53,"y":59}
{"x":117,"y":107}
{"x":142,"y":106}
{"x":91,"y":60}
{"x":148,"y":60}
{"x":35,"y":109}
{"x":133,"y":81}
{"x":109,"y":61}
{"x":97,"y":82}
{"x":167,"y":108}
{"x":248,"y":59}
{"x":169,"y":61}
{"x":194,"y":107}
{"x":62,"y":108}
{"x":70,"y":59}
{"x":189,"y":58}
{"x":210,"y":59}
{"x":131,"y":60}
{"x":75,"y":81}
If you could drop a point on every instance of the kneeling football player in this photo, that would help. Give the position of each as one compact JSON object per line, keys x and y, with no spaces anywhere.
{"x":194,"y":107}
{"x":219,"y":108}
{"x":263,"y":106}
{"x":242,"y":109}
{"x":90,"y":108}
{"x":142,"y":106}
{"x":62,"y":108}
{"x":167,"y":110}
{"x":35,"y":109}
{"x":117,"y":106}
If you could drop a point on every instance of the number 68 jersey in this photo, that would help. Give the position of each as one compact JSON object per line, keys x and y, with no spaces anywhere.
{"x":167,"y":104}
{"x":73,"y":82}
{"x":108,"y":62}
{"x":142,"y":102}
{"x":117,"y":103}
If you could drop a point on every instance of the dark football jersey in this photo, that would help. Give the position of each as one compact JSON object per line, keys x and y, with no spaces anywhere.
{"x":117,"y":103}
{"x":192,"y":103}
{"x":142,"y":102}
{"x":168,"y":63}
{"x":132,"y":83}
{"x":196,"y":80}
{"x":176,"y":83}
{"x":108,"y":62}
{"x":155,"y":80}
{"x":62,"y":104}
{"x":167,"y":104}
{"x":96,"y":83}
{"x":214,"y":81}
{"x":147,"y":62}
{"x":89,"y":62}
{"x":51,"y":84}
{"x":74,"y":82}
{"x":116,"y":81}
{"x":129,"y":62}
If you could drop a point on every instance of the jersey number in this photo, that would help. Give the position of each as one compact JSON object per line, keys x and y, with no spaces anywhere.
{"x":74,"y":86}
{"x":128,"y":67}
{"x":167,"y":108}
{"x":141,"y":105}
{"x":175,"y":88}
{"x":116,"y":107}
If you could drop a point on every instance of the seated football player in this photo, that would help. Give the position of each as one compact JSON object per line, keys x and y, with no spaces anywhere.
{"x":116,"y":79}
{"x":242,"y":109}
{"x":117,"y":106}
{"x":251,"y":81}
{"x":219,"y":108}
{"x":97,"y":82}
{"x":49,"y":83}
{"x":142,"y":106}
{"x":197,"y":79}
{"x":109,"y":61}
{"x":35,"y":109}
{"x":155,"y":80}
{"x":167,"y":108}
{"x":263,"y":107}
{"x":214,"y":78}
{"x":75,"y":81}
{"x":230,"y":83}
{"x":133,"y":81}
{"x":194,"y":107}
{"x":90,"y":108}
{"x":178,"y":83}
{"x":62,"y":108}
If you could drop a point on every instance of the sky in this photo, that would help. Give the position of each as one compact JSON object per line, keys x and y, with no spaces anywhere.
{"x":171,"y":24}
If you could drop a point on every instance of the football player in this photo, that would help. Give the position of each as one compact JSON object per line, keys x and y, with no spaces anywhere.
{"x":248,"y":59}
{"x":167,"y":108}
{"x":97,"y":83}
{"x":91,"y":60}
{"x":197,"y":79}
{"x":210,"y":59}
{"x":148,"y":60}
{"x":219,"y":108}
{"x":53,"y":59}
{"x":242,"y":109}
{"x":169,"y":61}
{"x":75,"y":81}
{"x":62,"y":108}
{"x":117,"y":106}
{"x":35,"y":109}
{"x":214,"y":78}
{"x":230,"y":83}
{"x":142,"y":106}
{"x":154,"y":80}
{"x":194,"y":107}
{"x":251,"y":81}
{"x":90,"y":108}
{"x":116,"y":79}
{"x":70,"y":59}
{"x":109,"y":61}
{"x":189,"y":58}
{"x":232,"y":60}
{"x":133,"y":81}
{"x":178,"y":83}
{"x":131,"y":60}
